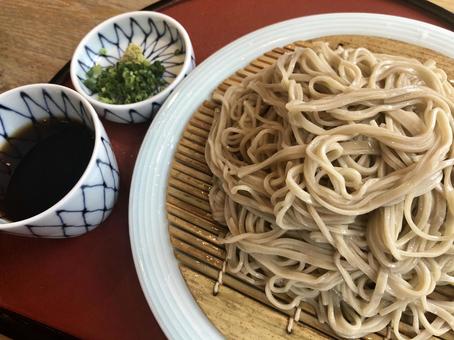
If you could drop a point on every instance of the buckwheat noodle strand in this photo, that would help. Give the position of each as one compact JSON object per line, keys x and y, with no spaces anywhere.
{"x":333,"y":173}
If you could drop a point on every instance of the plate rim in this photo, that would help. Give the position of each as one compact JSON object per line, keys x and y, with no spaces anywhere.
{"x":162,"y":283}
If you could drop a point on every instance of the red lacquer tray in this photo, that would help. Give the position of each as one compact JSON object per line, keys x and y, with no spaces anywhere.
{"x":87,"y":286}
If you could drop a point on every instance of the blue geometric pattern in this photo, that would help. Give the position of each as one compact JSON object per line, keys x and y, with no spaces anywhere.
{"x":93,"y":212}
{"x":158,"y":39}
{"x":93,"y":201}
{"x":158,"y":42}
{"x":132,"y":115}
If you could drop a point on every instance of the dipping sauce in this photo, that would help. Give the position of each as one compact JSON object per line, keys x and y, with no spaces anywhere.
{"x":50,"y":169}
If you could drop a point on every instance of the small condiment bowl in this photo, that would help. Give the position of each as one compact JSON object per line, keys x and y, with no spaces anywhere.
{"x":92,"y":198}
{"x":160,"y":38}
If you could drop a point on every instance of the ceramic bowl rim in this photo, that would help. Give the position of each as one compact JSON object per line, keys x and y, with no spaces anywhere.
{"x":98,"y":128}
{"x":157,"y":97}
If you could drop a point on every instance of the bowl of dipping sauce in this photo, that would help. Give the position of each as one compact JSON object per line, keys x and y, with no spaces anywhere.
{"x":129,"y":64}
{"x":58,"y":174}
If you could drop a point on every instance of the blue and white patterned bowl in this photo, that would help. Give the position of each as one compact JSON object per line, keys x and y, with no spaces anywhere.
{"x":159,"y":36}
{"x":91,"y":200}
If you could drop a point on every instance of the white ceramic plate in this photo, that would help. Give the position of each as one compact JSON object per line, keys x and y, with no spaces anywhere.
{"x":166,"y":292}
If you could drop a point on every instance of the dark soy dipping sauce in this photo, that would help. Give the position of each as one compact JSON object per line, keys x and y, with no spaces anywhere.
{"x":50,"y":169}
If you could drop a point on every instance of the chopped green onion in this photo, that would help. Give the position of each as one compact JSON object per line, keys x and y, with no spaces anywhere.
{"x":102,"y":52}
{"x":131,"y":80}
{"x":178,"y":51}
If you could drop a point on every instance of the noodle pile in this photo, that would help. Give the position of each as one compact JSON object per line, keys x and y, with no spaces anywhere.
{"x":333,"y":173}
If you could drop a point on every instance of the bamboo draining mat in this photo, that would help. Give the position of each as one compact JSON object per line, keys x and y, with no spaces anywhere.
{"x":241,"y":311}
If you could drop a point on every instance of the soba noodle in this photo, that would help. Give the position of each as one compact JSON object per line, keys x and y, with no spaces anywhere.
{"x":333,"y":173}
